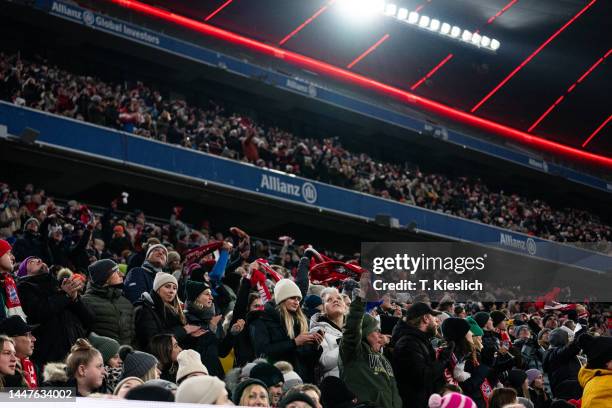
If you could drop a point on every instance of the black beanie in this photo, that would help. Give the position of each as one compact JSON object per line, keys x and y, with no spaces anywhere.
{"x":101,"y":270}
{"x":559,"y":403}
{"x":237,"y":394}
{"x":455,"y":328}
{"x":516,"y":378}
{"x":267,"y":373}
{"x":150,"y":392}
{"x":296,"y":396}
{"x":597,"y":349}
{"x":482,"y":318}
{"x":497,"y":317}
{"x":193,"y":289}
{"x":335,"y":394}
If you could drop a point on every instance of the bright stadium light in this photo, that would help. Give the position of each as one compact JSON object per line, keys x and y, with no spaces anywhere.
{"x":402,"y":13}
{"x":485,"y":41}
{"x":390,"y":10}
{"x":360,"y":10}
{"x":445,"y":29}
{"x":495,"y":45}
{"x":466,"y":36}
{"x":455,"y":32}
{"x":413,"y":17}
{"x":476,"y":39}
{"x":424,"y":21}
{"x":434,"y":25}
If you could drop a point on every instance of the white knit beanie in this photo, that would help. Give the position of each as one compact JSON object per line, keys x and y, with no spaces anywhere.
{"x":152,"y":247}
{"x":200,"y":390}
{"x":189,"y":362}
{"x":284,"y":289}
{"x":161,"y":278}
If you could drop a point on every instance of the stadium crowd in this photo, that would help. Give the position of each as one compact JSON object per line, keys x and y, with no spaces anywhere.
{"x":115,"y":306}
{"x":140,"y":109}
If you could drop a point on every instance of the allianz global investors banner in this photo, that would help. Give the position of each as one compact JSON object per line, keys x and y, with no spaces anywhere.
{"x":478,"y":273}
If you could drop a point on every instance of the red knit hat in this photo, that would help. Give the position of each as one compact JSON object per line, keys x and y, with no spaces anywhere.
{"x":4,"y":247}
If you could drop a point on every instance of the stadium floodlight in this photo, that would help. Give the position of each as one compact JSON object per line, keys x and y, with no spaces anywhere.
{"x":360,"y":11}
{"x":455,"y":32}
{"x":402,"y":13}
{"x":423,"y":21}
{"x":434,"y":25}
{"x":476,"y":39}
{"x":445,"y":29}
{"x":378,"y":6}
{"x":466,"y":36}
{"x":485,"y":41}
{"x":413,"y":17}
{"x":390,"y":10}
{"x":495,"y":45}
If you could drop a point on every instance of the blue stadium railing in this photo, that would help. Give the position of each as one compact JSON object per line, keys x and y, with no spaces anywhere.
{"x":128,"y":149}
{"x":197,"y":53}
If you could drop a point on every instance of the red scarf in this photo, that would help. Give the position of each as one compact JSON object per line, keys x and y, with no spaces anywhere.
{"x":258,"y":279}
{"x":29,"y":374}
{"x":12,"y":305}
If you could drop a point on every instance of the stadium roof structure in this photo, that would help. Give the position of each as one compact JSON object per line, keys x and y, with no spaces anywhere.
{"x":547,"y":85}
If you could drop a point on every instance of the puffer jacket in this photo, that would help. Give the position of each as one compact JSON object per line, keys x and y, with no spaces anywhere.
{"x":597,"y":387}
{"x":562,"y":366}
{"x":152,"y":317}
{"x":270,"y":340}
{"x":114,"y":313}
{"x":328,"y":362}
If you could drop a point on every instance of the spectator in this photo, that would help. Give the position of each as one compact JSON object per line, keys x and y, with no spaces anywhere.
{"x":363,"y":367}
{"x":329,"y":323}
{"x":139,"y":280}
{"x":296,"y":399}
{"x":125,"y":385}
{"x":202,"y":390}
{"x":9,"y":298}
{"x":335,"y":394}
{"x":8,"y":364}
{"x":150,"y":392}
{"x":562,"y":366}
{"x":56,"y":308}
{"x":120,"y":241}
{"x":138,"y":364}
{"x":30,"y":243}
{"x":251,"y":393}
{"x":166,"y":349}
{"x":450,"y":400}
{"x":104,"y":297}
{"x":109,"y":349}
{"x":85,"y":369}
{"x":596,"y":377}
{"x":24,"y":341}
{"x":272,"y":377}
{"x":419,"y":372}
{"x":502,"y":397}
{"x":189,"y":365}
{"x":312,"y":391}
{"x":537,"y":393}
{"x":281,"y":333}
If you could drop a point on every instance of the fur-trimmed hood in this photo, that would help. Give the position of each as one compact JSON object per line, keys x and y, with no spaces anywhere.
{"x":55,"y":373}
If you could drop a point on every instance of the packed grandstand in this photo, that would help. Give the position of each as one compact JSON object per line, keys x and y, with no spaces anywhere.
{"x":106,"y":300}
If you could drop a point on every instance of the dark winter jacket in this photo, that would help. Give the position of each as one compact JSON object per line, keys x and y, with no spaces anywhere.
{"x":243,"y":348}
{"x":114,"y":313}
{"x":139,"y":280}
{"x":418,"y":372}
{"x":562,"y":366}
{"x":30,"y":244}
{"x":368,"y":374}
{"x":539,"y":398}
{"x":61,"y":320}
{"x":270,"y":340}
{"x":152,"y":317}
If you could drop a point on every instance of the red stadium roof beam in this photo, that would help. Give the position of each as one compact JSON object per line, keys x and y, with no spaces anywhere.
{"x":422,"y":6}
{"x":368,"y":51}
{"x":531,"y":56}
{"x":214,"y":13}
{"x":305,"y":23}
{"x":569,"y":90}
{"x":369,"y":83}
{"x":599,"y":128}
{"x":450,"y":56}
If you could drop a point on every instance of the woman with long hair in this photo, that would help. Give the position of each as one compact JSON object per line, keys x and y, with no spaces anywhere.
{"x":8,"y":364}
{"x":166,"y":349}
{"x":85,"y":369}
{"x":330,"y":323}
{"x":281,"y":333}
{"x":160,"y":311}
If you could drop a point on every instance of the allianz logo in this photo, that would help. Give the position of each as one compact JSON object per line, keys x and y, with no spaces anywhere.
{"x":306,"y":191}
{"x":527,"y":245}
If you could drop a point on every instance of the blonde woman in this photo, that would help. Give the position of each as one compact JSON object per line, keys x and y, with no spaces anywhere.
{"x":281,"y":333}
{"x":330,"y":322}
{"x":8,"y":363}
{"x":251,"y":393}
{"x":85,"y":369}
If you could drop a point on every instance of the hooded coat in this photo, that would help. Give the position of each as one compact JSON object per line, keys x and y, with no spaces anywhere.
{"x":114,"y":313}
{"x":61,"y":320}
{"x":367,"y":373}
{"x":328,"y":362}
{"x":597,"y":387}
